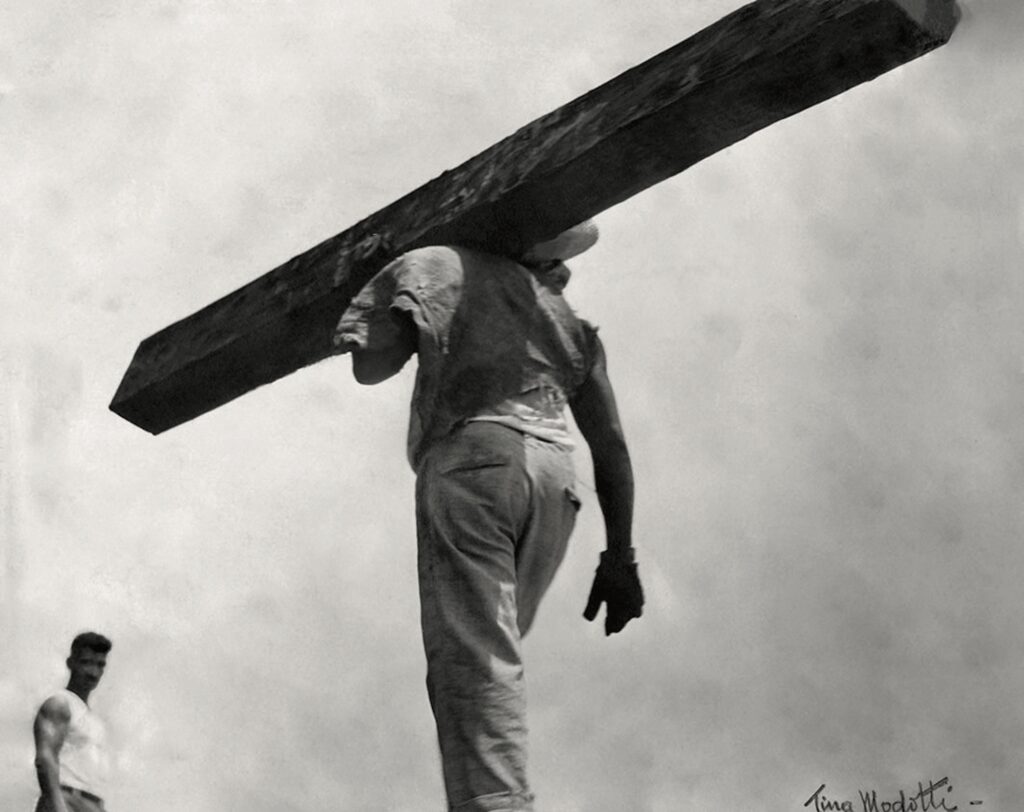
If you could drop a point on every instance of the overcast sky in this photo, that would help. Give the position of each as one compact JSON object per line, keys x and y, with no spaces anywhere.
{"x":816,"y":338}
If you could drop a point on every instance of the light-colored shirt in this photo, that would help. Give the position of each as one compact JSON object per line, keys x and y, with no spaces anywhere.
{"x":496,"y":341}
{"x":84,"y":761}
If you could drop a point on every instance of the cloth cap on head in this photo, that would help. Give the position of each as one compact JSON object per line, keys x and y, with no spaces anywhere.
{"x":570,"y":243}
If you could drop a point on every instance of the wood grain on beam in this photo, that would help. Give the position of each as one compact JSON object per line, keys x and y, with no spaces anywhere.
{"x":760,"y":64}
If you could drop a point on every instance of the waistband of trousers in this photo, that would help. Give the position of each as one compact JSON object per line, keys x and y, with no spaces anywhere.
{"x":96,"y":799}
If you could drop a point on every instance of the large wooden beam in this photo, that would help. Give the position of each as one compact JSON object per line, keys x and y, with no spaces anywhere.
{"x":760,"y":64}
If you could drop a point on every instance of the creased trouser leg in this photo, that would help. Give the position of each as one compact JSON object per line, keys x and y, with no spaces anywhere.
{"x":494,"y":511}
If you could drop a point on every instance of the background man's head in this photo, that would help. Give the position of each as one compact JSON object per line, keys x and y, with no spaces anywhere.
{"x":87,"y":660}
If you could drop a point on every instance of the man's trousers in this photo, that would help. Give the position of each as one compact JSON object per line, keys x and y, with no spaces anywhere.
{"x":494,"y":511}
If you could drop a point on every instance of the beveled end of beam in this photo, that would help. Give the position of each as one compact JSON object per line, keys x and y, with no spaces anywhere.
{"x":938,"y":17}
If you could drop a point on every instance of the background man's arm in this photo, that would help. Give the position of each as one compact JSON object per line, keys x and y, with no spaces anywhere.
{"x":50,"y":729}
{"x":616,"y":582}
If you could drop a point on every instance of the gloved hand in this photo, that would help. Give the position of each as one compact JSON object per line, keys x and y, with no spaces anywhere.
{"x":617,"y":584}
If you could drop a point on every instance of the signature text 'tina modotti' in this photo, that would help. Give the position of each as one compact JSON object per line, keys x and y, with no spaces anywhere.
{"x":937,"y":796}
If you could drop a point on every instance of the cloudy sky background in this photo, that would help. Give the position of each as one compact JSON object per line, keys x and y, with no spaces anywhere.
{"x":816,"y":337}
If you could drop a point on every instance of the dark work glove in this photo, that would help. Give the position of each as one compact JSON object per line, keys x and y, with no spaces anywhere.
{"x":617,"y":584}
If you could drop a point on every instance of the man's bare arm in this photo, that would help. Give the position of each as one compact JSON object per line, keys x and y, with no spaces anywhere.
{"x":595,"y":412}
{"x":616,"y":583}
{"x":50,"y":729}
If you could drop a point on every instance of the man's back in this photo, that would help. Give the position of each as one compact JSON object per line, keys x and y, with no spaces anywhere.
{"x":494,"y":340}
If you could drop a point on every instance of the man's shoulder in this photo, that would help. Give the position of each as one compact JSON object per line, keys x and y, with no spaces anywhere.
{"x":432,"y":251}
{"x":428,"y":264}
{"x":57,"y":707}
{"x":445,"y":268}
{"x":431,"y":256}
{"x":455,"y":258}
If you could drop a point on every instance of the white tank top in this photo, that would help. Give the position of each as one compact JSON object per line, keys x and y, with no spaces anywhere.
{"x":83,"y":756}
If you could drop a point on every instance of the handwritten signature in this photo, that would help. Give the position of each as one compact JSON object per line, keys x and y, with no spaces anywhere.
{"x":935,"y":796}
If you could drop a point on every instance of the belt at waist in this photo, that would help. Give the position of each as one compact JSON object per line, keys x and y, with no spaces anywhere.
{"x":96,"y":799}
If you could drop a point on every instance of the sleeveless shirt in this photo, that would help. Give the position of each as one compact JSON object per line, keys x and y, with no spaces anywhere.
{"x":83,"y":756}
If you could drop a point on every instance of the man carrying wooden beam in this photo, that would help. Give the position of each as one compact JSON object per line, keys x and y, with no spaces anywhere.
{"x":768,"y":60}
{"x":501,"y":355}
